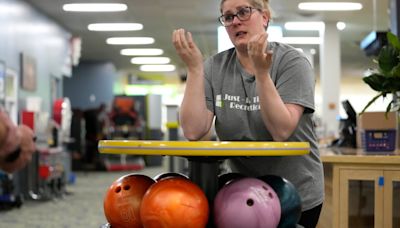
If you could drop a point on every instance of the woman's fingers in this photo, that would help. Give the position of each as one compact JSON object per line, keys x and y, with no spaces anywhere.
{"x":186,"y":48}
{"x":179,"y":39}
{"x":259,"y":53}
{"x":258,"y":44}
{"x":191,"y":43}
{"x":27,"y":142}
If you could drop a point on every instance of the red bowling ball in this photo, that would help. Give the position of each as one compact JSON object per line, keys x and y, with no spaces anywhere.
{"x":174,"y":203}
{"x":123,"y":198}
{"x":246,"y":202}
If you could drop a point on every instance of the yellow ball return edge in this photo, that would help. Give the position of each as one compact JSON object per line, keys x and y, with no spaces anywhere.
{"x":203,"y":148}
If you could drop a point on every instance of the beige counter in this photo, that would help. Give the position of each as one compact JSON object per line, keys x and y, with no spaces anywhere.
{"x":344,"y":164}
{"x":350,"y":155}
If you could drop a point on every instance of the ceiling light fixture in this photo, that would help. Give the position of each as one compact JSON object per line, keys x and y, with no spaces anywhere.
{"x":141,"y":51}
{"x":157,"y":68}
{"x":305,"y":26}
{"x":129,"y":40}
{"x":95,"y":7}
{"x":330,"y":6}
{"x":115,"y":27}
{"x":150,"y":60}
{"x":301,"y":40}
{"x":340,"y":25}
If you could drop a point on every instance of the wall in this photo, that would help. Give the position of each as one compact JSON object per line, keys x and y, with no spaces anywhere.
{"x":24,"y":29}
{"x":354,"y":89}
{"x":91,"y":84}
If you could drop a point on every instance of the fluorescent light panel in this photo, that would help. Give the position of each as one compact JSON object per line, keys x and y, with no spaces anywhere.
{"x":95,"y":7}
{"x":150,"y":60}
{"x":115,"y":27}
{"x":330,"y":6}
{"x":129,"y":40}
{"x":142,"y":51}
{"x":301,"y":40}
{"x":157,"y":68}
{"x":224,"y":42}
{"x":305,"y":26}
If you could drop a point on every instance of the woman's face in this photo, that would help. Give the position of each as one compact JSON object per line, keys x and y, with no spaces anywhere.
{"x":239,"y":31}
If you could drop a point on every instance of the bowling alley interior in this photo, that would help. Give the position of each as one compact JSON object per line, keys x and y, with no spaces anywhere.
{"x":100,"y":84}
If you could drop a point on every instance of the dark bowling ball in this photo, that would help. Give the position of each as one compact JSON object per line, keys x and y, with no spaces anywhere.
{"x":225,"y":178}
{"x":289,"y":199}
{"x":123,"y":199}
{"x":166,"y":175}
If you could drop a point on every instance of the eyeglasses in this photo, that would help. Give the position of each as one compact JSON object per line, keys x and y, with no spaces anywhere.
{"x":243,"y":14}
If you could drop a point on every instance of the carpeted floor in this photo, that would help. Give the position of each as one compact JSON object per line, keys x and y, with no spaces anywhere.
{"x":83,"y":208}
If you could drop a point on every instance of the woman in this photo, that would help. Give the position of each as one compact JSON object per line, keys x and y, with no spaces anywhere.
{"x":257,"y":91}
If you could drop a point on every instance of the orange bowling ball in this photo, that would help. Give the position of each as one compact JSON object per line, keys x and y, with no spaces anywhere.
{"x":123,"y":198}
{"x":166,"y":175}
{"x":174,"y":203}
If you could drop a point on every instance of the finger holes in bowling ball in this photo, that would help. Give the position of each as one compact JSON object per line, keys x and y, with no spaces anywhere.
{"x":270,"y":195}
{"x":257,"y":204}
{"x":250,"y":202}
{"x":123,"y":198}
{"x":289,"y":199}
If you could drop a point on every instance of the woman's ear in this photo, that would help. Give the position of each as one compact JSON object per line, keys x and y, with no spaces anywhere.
{"x":266,"y":18}
{"x":266,"y":24}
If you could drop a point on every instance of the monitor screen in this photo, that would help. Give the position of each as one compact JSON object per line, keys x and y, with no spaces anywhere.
{"x":351,"y":113}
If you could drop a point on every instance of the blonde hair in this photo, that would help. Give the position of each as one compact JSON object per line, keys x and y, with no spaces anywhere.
{"x":259,"y":4}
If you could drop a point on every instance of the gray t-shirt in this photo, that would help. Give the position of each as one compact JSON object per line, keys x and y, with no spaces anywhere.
{"x":231,"y":95}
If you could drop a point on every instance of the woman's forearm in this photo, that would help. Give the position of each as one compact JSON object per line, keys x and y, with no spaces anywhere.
{"x":280,"y":119}
{"x":194,"y":115}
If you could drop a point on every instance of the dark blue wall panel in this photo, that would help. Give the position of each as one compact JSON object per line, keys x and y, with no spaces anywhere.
{"x":91,"y":84}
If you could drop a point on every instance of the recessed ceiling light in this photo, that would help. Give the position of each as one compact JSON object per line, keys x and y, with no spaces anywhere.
{"x":95,"y":7}
{"x":340,"y":25}
{"x":129,"y":40}
{"x":330,"y":6}
{"x":142,"y":51}
{"x":317,"y":25}
{"x":115,"y":27}
{"x":157,"y":68}
{"x":150,"y":60}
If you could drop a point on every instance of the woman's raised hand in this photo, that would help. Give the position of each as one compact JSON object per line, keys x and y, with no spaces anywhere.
{"x":258,"y":53}
{"x":187,"y":49}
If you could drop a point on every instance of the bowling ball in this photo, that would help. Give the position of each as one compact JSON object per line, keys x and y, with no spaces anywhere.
{"x":289,"y":199}
{"x":246,"y":202}
{"x":174,"y":203}
{"x":225,"y":178}
{"x":123,"y":198}
{"x":162,"y":176}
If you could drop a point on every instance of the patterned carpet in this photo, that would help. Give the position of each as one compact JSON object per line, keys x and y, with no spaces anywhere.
{"x":83,"y":208}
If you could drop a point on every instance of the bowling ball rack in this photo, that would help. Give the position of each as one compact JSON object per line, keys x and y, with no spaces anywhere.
{"x":204,"y":157}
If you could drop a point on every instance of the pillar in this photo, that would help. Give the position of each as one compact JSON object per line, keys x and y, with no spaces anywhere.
{"x":330,"y":77}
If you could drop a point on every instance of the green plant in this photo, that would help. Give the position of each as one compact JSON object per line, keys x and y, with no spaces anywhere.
{"x":386,"y":78}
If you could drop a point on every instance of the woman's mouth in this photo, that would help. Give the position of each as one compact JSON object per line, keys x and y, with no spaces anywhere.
{"x":240,"y":33}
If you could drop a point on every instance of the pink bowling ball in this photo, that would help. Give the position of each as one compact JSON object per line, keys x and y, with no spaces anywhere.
{"x":247,"y":202}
